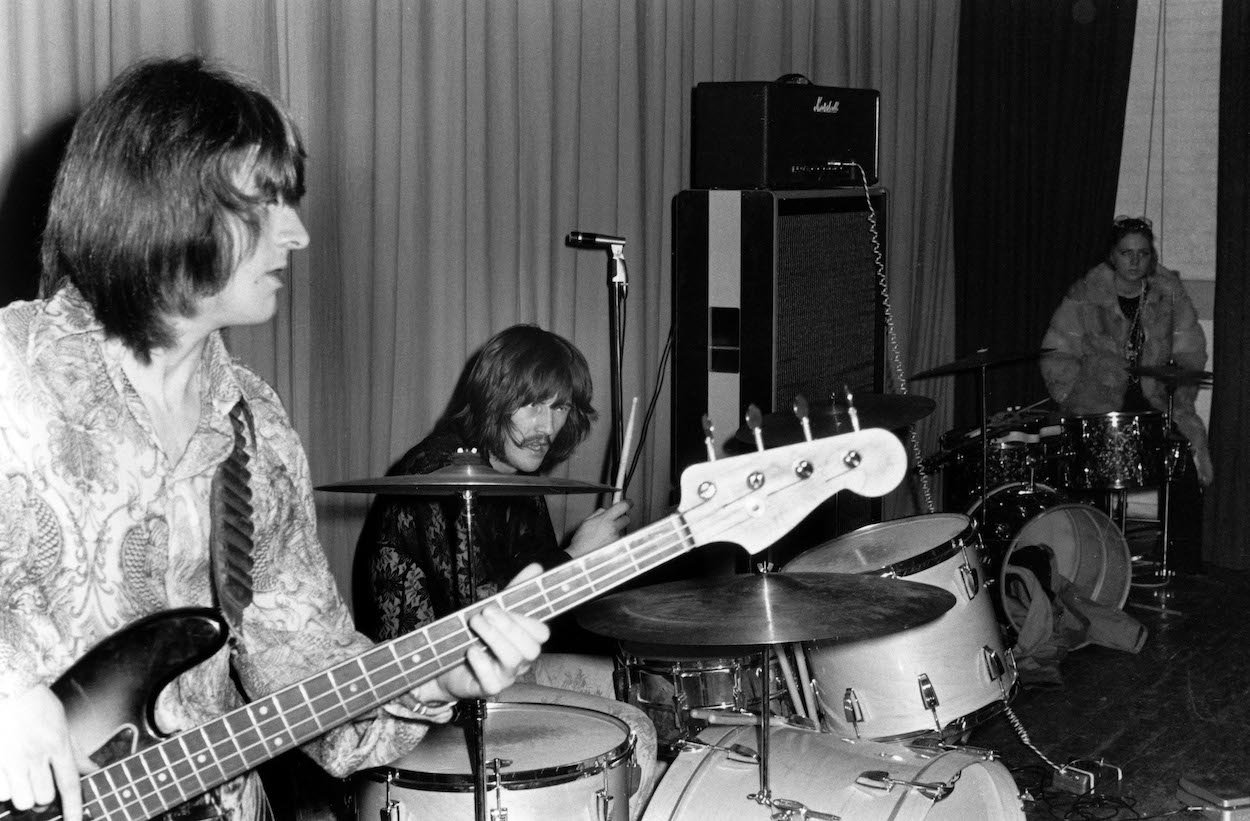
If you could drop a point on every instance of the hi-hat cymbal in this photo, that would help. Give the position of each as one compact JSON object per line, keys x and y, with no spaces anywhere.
{"x":479,"y":478}
{"x":769,"y":608}
{"x":1172,"y":374}
{"x":981,"y":359}
{"x":872,"y":410}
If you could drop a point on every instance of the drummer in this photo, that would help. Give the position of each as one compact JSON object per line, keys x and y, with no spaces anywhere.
{"x":524,"y":405}
{"x":1129,"y":311}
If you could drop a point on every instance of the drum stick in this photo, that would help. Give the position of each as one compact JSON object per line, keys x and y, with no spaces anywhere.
{"x":805,"y":678}
{"x":625,"y":454}
{"x":788,"y":673}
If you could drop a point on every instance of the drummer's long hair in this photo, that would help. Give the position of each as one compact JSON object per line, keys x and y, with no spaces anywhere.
{"x":515,"y":367}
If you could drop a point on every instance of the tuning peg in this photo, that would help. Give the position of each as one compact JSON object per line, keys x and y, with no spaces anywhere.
{"x":850,"y":407}
{"x":709,"y":437}
{"x":801,"y":411}
{"x":755,"y":421}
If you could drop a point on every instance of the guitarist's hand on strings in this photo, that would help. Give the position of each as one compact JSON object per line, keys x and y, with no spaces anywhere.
{"x":38,"y":761}
{"x":512,"y":643}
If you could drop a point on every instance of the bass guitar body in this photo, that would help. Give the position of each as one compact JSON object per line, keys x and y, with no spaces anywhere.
{"x":110,"y":693}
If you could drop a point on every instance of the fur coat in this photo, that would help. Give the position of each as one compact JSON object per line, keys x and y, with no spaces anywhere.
{"x":1086,"y":372}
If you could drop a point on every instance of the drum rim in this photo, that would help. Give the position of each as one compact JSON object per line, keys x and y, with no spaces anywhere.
{"x":521,"y":779}
{"x":1112,"y":415}
{"x":976,"y":504}
{"x":910,"y":566}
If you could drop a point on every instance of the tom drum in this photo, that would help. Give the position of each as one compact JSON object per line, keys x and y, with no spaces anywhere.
{"x":943,"y":676}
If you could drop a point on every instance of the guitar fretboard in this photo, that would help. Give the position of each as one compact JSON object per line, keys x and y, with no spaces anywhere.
{"x":177,"y":769}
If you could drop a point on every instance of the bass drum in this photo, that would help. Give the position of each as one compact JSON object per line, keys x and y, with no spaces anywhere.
{"x":1089,"y":549}
{"x":554,"y":762}
{"x":836,"y":776}
{"x":944,"y":676}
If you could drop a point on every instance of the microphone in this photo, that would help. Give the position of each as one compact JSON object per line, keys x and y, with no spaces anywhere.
{"x":586,"y":239}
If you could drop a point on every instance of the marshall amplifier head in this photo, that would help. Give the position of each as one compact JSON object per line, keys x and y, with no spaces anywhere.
{"x":783,"y":135}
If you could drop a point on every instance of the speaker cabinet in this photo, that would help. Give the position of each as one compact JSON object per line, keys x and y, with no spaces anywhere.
{"x":775,"y":293}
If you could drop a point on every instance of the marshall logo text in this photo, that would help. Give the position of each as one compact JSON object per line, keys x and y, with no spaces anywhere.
{"x":824,"y":106}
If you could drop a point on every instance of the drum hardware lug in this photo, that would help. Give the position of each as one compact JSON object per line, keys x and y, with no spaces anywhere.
{"x":929,"y":698}
{"x":500,"y":812}
{"x":851,"y":711}
{"x":995,"y":666}
{"x":603,"y":802}
{"x":390,"y":807}
{"x":972,"y":581}
{"x":633,"y":769}
{"x":881,"y":780}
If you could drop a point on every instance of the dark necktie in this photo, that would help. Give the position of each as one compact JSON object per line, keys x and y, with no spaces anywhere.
{"x":231,"y":538}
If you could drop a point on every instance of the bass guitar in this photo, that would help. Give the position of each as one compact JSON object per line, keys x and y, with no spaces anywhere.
{"x":109,"y":693}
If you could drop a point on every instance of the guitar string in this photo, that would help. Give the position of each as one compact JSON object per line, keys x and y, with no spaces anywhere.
{"x":463,"y":635}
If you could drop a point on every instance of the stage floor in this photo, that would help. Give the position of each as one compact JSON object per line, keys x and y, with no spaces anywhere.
{"x":1177,"y":708}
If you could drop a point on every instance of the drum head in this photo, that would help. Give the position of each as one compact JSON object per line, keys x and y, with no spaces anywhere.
{"x":877,"y":546}
{"x":534,"y":737}
{"x":1090,"y":551}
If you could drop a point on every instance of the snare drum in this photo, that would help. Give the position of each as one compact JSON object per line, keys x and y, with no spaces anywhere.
{"x":836,"y":776}
{"x":1116,"y":451}
{"x":668,"y":681}
{"x":554,"y":762}
{"x":946,"y":675}
{"x":1089,"y":549}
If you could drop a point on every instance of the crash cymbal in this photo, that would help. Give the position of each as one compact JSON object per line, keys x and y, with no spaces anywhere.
{"x":770,"y":608}
{"x":1172,"y":374}
{"x":981,"y":359}
{"x":480,"y":478}
{"x":873,"y":410}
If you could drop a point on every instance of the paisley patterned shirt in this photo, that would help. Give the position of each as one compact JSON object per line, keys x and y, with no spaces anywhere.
{"x":98,"y":527}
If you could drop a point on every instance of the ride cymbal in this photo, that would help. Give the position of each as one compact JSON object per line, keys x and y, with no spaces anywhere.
{"x":477,"y":477}
{"x":873,"y":410}
{"x":981,"y":359}
{"x":769,"y":608}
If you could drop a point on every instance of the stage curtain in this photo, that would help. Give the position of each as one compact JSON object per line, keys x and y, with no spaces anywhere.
{"x":1227,"y":515}
{"x":453,"y":144}
{"x":1042,"y":89}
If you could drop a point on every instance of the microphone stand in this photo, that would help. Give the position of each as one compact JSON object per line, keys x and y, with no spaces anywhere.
{"x":618,"y":285}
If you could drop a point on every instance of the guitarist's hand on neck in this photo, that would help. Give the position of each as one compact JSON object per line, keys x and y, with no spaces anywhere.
{"x":512,"y":641}
{"x":38,"y":761}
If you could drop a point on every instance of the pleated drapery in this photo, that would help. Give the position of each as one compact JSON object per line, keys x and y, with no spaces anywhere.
{"x":453,"y":144}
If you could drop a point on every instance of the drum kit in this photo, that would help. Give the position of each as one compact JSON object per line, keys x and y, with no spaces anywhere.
{"x":691,"y":658}
{"x":846,"y":680}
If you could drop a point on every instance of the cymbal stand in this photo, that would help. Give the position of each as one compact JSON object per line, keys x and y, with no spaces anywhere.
{"x":985,"y":443}
{"x":1161,"y":580}
{"x":477,"y":707}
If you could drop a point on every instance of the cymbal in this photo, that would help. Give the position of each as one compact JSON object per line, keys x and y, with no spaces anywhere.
{"x":981,"y":359}
{"x":770,"y":608}
{"x":1172,"y":374}
{"x":873,"y":410}
{"x":479,"y":478}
